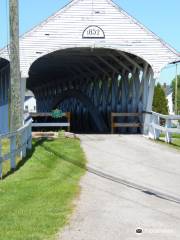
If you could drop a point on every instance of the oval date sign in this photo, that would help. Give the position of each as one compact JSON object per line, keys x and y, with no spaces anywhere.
{"x":93,"y":32}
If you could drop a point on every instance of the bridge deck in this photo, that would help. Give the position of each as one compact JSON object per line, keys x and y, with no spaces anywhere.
{"x":136,"y":159}
{"x":132,"y":183}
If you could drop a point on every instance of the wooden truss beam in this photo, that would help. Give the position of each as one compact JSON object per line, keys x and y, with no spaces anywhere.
{"x":79,"y":71}
{"x":119,"y":62}
{"x":99,"y":67}
{"x":88,"y":69}
{"x":130,"y":60}
{"x":108,"y":64}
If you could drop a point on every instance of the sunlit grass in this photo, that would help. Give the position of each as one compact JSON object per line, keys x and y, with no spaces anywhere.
{"x":176,"y":143}
{"x":5,"y":150}
{"x":36,"y":200}
{"x":5,"y":146}
{"x":174,"y":135}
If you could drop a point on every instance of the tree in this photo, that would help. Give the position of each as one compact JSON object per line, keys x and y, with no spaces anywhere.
{"x":160,"y":103}
{"x":173,"y":85}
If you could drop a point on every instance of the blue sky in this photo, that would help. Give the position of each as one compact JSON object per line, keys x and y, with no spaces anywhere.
{"x":160,"y":16}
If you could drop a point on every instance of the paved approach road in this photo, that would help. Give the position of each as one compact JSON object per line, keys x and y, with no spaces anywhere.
{"x":132,"y":183}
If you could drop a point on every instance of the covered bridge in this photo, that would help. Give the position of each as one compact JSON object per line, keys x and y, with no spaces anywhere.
{"x":90,"y":58}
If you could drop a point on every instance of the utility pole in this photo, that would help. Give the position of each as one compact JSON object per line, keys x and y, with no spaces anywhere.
{"x":15,"y":107}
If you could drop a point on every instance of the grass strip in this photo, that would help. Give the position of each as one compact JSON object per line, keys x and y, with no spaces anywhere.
{"x":36,"y":200}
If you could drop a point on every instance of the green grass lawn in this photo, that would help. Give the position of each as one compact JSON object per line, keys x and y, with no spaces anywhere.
{"x":5,"y":150}
{"x":175,"y":140}
{"x":36,"y":201}
{"x":176,"y":143}
{"x":174,"y":135}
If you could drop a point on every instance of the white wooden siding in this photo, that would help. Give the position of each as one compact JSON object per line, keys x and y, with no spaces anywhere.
{"x":4,"y":119}
{"x":65,"y":30}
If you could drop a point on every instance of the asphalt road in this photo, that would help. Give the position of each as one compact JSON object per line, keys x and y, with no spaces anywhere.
{"x":132,"y":183}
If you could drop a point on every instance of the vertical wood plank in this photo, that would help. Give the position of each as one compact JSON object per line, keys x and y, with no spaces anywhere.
{"x":29,"y":145}
{"x":151,"y":130}
{"x":112,"y":124}
{"x":168,"y":135}
{"x":145,"y":86}
{"x":69,"y":121}
{"x":24,"y":142}
{"x":156,"y":131}
{"x":147,"y":117}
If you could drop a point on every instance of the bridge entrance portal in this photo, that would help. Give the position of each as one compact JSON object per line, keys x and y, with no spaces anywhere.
{"x":91,"y":83}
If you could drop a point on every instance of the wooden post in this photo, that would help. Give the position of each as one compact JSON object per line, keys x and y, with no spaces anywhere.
{"x":112,"y":123}
{"x":151,"y":129}
{"x":29,"y":145}
{"x":150,"y":96}
{"x":156,"y":131}
{"x":15,"y":109}
{"x":168,"y":135}
{"x":24,"y":142}
{"x":145,"y":86}
{"x":69,"y":121}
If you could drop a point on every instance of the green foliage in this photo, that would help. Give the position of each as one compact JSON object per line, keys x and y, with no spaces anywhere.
{"x":173,"y":84}
{"x":57,"y":113}
{"x":37,"y":199}
{"x":160,"y":103}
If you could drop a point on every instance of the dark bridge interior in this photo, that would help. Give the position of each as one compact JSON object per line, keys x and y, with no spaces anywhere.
{"x":4,"y":81}
{"x":90,"y":83}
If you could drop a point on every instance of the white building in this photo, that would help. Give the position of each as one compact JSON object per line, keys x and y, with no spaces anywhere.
{"x":30,"y":104}
{"x":170,"y":103}
{"x":169,"y":97}
{"x":3,"y":119}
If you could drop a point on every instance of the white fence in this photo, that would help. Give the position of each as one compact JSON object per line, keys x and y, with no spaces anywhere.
{"x":17,"y":142}
{"x":167,"y":124}
{"x":51,"y":124}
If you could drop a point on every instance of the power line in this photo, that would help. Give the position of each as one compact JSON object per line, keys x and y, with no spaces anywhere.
{"x":171,"y":66}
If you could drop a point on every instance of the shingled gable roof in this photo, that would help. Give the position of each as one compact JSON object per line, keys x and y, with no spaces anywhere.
{"x":64,"y":30}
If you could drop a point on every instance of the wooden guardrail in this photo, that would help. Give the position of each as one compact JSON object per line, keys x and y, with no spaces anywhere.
{"x":124,"y":125}
{"x":18,"y":142}
{"x":51,"y":124}
{"x":156,"y":127}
